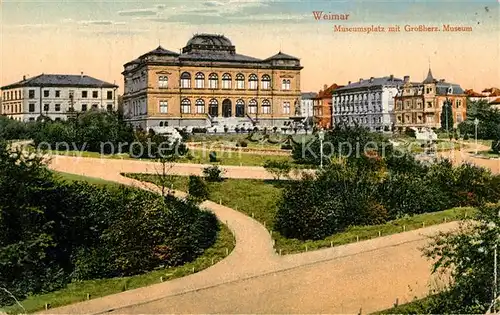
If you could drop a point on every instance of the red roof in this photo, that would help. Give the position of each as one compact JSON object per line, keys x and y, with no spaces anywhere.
{"x":497,"y":101}
{"x":472,"y":93}
{"x":327,"y":93}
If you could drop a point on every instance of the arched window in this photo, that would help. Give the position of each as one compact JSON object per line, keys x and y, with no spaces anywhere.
{"x":226,"y":81}
{"x":252,"y":106}
{"x":161,"y":123}
{"x":163,"y":82}
{"x":240,"y":81}
{"x":199,"y":80}
{"x":266,"y":107}
{"x":200,"y":106}
{"x":185,"y":106}
{"x":286,"y":107}
{"x":213,"y":107}
{"x":266,"y":82}
{"x":253,"y":81}
{"x":213,"y":79}
{"x":285,"y":85}
{"x":240,"y":108}
{"x":185,"y":80}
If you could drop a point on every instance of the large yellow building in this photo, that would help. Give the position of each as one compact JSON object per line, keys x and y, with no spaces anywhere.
{"x":210,"y":84}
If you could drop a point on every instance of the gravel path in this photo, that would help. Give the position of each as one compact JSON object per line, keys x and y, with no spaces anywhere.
{"x":253,"y":279}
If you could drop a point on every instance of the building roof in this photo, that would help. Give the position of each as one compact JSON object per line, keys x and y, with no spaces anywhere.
{"x":160,"y":51}
{"x":308,"y":95}
{"x":63,"y":80}
{"x":430,"y":78}
{"x":209,"y":39}
{"x":472,"y":93}
{"x":217,"y":56}
{"x":327,"y":93}
{"x":389,"y":80}
{"x":281,"y":56}
{"x":445,"y":88}
{"x":495,"y":101}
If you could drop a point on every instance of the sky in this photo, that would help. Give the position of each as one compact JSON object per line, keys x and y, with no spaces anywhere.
{"x":97,"y":37}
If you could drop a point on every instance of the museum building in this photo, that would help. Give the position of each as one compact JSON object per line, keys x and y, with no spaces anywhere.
{"x":209,"y":84}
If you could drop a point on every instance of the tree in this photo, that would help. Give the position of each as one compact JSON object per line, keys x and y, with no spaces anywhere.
{"x":197,"y":188}
{"x":447,"y":116}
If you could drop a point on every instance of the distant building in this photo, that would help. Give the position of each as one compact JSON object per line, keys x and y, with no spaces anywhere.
{"x":488,"y":95}
{"x":56,"y":96}
{"x":420,"y":104}
{"x":209,"y":84}
{"x":322,"y":106}
{"x":368,"y":103}
{"x":306,"y":106}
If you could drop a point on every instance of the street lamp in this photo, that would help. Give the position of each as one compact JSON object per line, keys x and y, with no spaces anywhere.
{"x":476,"y":123}
{"x":321,"y":137}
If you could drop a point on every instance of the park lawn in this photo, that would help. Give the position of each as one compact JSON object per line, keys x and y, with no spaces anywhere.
{"x":91,"y":180}
{"x":489,"y":154}
{"x":258,"y":199}
{"x":414,"y":146}
{"x":77,"y":291}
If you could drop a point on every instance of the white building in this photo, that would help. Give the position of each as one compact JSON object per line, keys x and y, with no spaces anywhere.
{"x":368,"y":103}
{"x":306,"y":104}
{"x":56,"y":96}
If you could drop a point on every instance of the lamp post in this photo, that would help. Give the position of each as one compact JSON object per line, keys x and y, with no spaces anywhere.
{"x":321,"y":137}
{"x":476,"y":123}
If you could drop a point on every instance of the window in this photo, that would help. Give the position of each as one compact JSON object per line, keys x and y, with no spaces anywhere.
{"x":58,"y":93}
{"x":85,"y":94}
{"x":31,"y":107}
{"x":186,"y":106}
{"x":266,"y":82}
{"x":71,"y":94}
{"x":200,"y":106}
{"x":94,"y":106}
{"x":84,"y":107}
{"x":213,"y":108}
{"x":285,"y":84}
{"x":212,"y":80}
{"x":252,"y":82}
{"x":109,"y":95}
{"x":226,"y":81}
{"x":266,"y":107}
{"x":109,"y":107}
{"x":162,"y":82}
{"x":58,"y":107}
{"x":458,"y":103}
{"x":240,"y":108}
{"x":286,"y":107}
{"x":95,"y":94}
{"x":163,"y":107}
{"x":429,"y":104}
{"x":32,"y":119}
{"x":252,"y":106}
{"x":45,"y":93}
{"x":240,"y":81}
{"x":199,"y":81}
{"x":185,"y":80}
{"x":45,"y":107}
{"x":31,"y":93}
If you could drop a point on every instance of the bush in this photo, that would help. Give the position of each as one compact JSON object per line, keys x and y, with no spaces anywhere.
{"x":197,"y":188}
{"x":242,"y":144}
{"x":199,"y":130}
{"x":495,"y":146}
{"x":278,"y":169}
{"x":466,"y":136}
{"x":286,"y":147}
{"x":213,"y":173}
{"x":212,"y":156}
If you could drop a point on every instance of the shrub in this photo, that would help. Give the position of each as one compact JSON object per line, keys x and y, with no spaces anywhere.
{"x":212,"y":156}
{"x":466,"y":136}
{"x":242,"y":144}
{"x":278,"y":169}
{"x":495,"y":146}
{"x":213,"y":173}
{"x":237,"y":129}
{"x":286,"y":147}
{"x":197,"y":188}
{"x":275,"y":129}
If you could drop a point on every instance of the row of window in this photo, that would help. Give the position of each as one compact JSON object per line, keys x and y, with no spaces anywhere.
{"x":213,"y":81}
{"x":408,"y":119}
{"x":357,"y":109}
{"x":213,"y":106}
{"x":364,"y":120}
{"x":418,"y":105}
{"x":13,"y":95}
{"x":357,"y":97}
{"x":57,"y":107}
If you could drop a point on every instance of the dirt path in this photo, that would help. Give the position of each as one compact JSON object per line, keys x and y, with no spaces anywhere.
{"x":253,"y":278}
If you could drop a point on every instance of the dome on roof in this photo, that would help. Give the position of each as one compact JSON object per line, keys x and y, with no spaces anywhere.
{"x":209,"y":39}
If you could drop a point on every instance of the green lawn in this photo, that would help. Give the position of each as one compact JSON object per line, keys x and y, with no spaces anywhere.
{"x":415,"y":146}
{"x":92,"y":180}
{"x":77,"y":291}
{"x":258,"y":198}
{"x":489,"y":154}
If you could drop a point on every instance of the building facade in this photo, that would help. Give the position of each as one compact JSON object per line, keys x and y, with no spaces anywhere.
{"x":56,"y":96}
{"x":322,"y":107}
{"x":306,"y":106}
{"x":209,"y":84}
{"x":368,"y":103}
{"x":419,"y":105}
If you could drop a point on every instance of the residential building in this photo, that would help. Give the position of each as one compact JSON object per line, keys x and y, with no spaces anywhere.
{"x":322,"y":107}
{"x":368,"y":103}
{"x":306,"y":106}
{"x":489,"y":95}
{"x":56,"y":96}
{"x":209,"y":84}
{"x":419,"y":104}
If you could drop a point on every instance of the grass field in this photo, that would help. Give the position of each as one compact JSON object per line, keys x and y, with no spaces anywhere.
{"x":489,"y":154}
{"x":258,"y":199}
{"x":77,"y":291}
{"x":73,"y":177}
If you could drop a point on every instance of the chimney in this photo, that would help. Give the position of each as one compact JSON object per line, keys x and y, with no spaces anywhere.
{"x":360,"y":80}
{"x":371,"y":79}
{"x":325,"y":87}
{"x":391,"y":77}
{"x":81,"y":75}
{"x":24,"y":78}
{"x":349,"y":82}
{"x":407,"y":78}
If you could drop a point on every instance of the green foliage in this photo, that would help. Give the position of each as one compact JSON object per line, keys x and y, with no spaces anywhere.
{"x":242,"y":144}
{"x":277,"y":168}
{"x":212,"y":156}
{"x":213,"y":173}
{"x":155,"y":146}
{"x":197,"y":188}
{"x":489,"y":121}
{"x":54,"y":232}
{"x":495,"y":146}
{"x":447,"y":116}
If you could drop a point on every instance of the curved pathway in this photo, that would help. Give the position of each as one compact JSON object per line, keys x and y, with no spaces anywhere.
{"x":253,"y":279}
